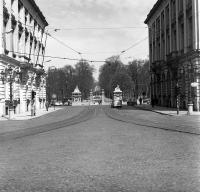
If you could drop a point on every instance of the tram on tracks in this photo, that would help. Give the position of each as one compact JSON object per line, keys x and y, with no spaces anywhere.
{"x":117,"y":98}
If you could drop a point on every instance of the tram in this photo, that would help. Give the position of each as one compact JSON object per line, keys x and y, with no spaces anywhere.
{"x":117,"y":98}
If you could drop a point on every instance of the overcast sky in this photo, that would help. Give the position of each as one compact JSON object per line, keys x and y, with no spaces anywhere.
{"x":68,"y":15}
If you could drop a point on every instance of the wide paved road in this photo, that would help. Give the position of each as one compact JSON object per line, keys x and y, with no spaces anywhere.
{"x":101,"y":154}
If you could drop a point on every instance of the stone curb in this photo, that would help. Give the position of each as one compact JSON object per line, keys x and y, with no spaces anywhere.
{"x":26,"y":117}
{"x":159,"y":112}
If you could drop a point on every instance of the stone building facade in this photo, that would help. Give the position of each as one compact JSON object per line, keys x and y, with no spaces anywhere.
{"x":22,"y":46}
{"x":174,"y":51}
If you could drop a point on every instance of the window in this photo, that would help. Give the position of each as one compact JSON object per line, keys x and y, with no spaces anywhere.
{"x":190,"y":33}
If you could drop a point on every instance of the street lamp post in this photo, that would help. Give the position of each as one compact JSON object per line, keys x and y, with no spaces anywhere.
{"x":190,"y":104}
{"x":177,"y":88}
{"x":9,"y":75}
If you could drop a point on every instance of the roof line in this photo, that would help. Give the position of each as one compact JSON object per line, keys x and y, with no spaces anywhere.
{"x":152,"y":11}
{"x":39,"y":11}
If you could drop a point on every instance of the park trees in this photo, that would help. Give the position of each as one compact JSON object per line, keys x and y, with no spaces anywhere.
{"x":114,"y":73}
{"x":63,"y":81}
{"x":84,"y":77}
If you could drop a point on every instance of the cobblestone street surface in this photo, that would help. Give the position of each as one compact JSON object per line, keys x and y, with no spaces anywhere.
{"x":102,"y":155}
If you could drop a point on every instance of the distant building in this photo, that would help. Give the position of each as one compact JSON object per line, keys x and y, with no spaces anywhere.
{"x":22,"y":46}
{"x":174,"y":51}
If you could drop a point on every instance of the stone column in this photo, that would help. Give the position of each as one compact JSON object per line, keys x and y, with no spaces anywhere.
{"x":165,"y":35}
{"x":177,"y":27}
{"x":185,"y":26}
{"x":160,"y":37}
{"x":16,"y":31}
{"x":8,"y":36}
{"x":170,"y":26}
{"x":195,"y":24}
{"x":156,"y":55}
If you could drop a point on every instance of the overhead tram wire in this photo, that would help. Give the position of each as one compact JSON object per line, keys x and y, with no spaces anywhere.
{"x":132,"y":46}
{"x":47,"y":56}
{"x":64,"y":44}
{"x":97,"y":28}
{"x":76,"y":59}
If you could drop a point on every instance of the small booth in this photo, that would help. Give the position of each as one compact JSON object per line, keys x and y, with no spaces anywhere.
{"x":76,"y":96}
{"x":117,"y":97}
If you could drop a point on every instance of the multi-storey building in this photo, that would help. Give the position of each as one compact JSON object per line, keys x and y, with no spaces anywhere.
{"x":174,"y":52}
{"x":22,"y":46}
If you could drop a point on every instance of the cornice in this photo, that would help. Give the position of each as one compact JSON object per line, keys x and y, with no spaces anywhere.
{"x":8,"y":60}
{"x":153,"y":10}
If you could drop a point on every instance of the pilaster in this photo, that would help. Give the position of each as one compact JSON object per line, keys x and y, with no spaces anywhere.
{"x":177,"y":28}
{"x":1,"y":27}
{"x":185,"y":26}
{"x":165,"y":35}
{"x":152,"y":34}
{"x":196,"y":24}
{"x":170,"y":27}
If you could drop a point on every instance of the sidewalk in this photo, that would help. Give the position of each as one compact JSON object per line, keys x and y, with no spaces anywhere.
{"x":165,"y":110}
{"x":27,"y":115}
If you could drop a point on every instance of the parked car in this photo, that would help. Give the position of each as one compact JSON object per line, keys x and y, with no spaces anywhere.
{"x":68,"y":103}
{"x":131,"y":102}
{"x":58,"y":103}
{"x":146,"y":101}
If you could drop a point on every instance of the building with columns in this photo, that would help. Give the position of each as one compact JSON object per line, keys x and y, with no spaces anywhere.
{"x":22,"y":47}
{"x":174,"y":52}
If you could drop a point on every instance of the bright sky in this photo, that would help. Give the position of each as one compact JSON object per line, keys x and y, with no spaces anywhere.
{"x":96,"y":44}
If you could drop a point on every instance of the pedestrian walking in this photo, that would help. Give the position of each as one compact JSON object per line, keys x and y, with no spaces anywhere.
{"x":47,"y":105}
{"x":140,"y":100}
{"x":34,"y":109}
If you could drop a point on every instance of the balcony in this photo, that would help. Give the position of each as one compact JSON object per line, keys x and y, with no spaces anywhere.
{"x":26,"y":65}
{"x":172,"y":60}
{"x":157,"y":34}
{"x":156,"y":66}
{"x":172,"y":56}
{"x":173,"y":21}
{"x":181,"y":52}
{"x":180,"y":14}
